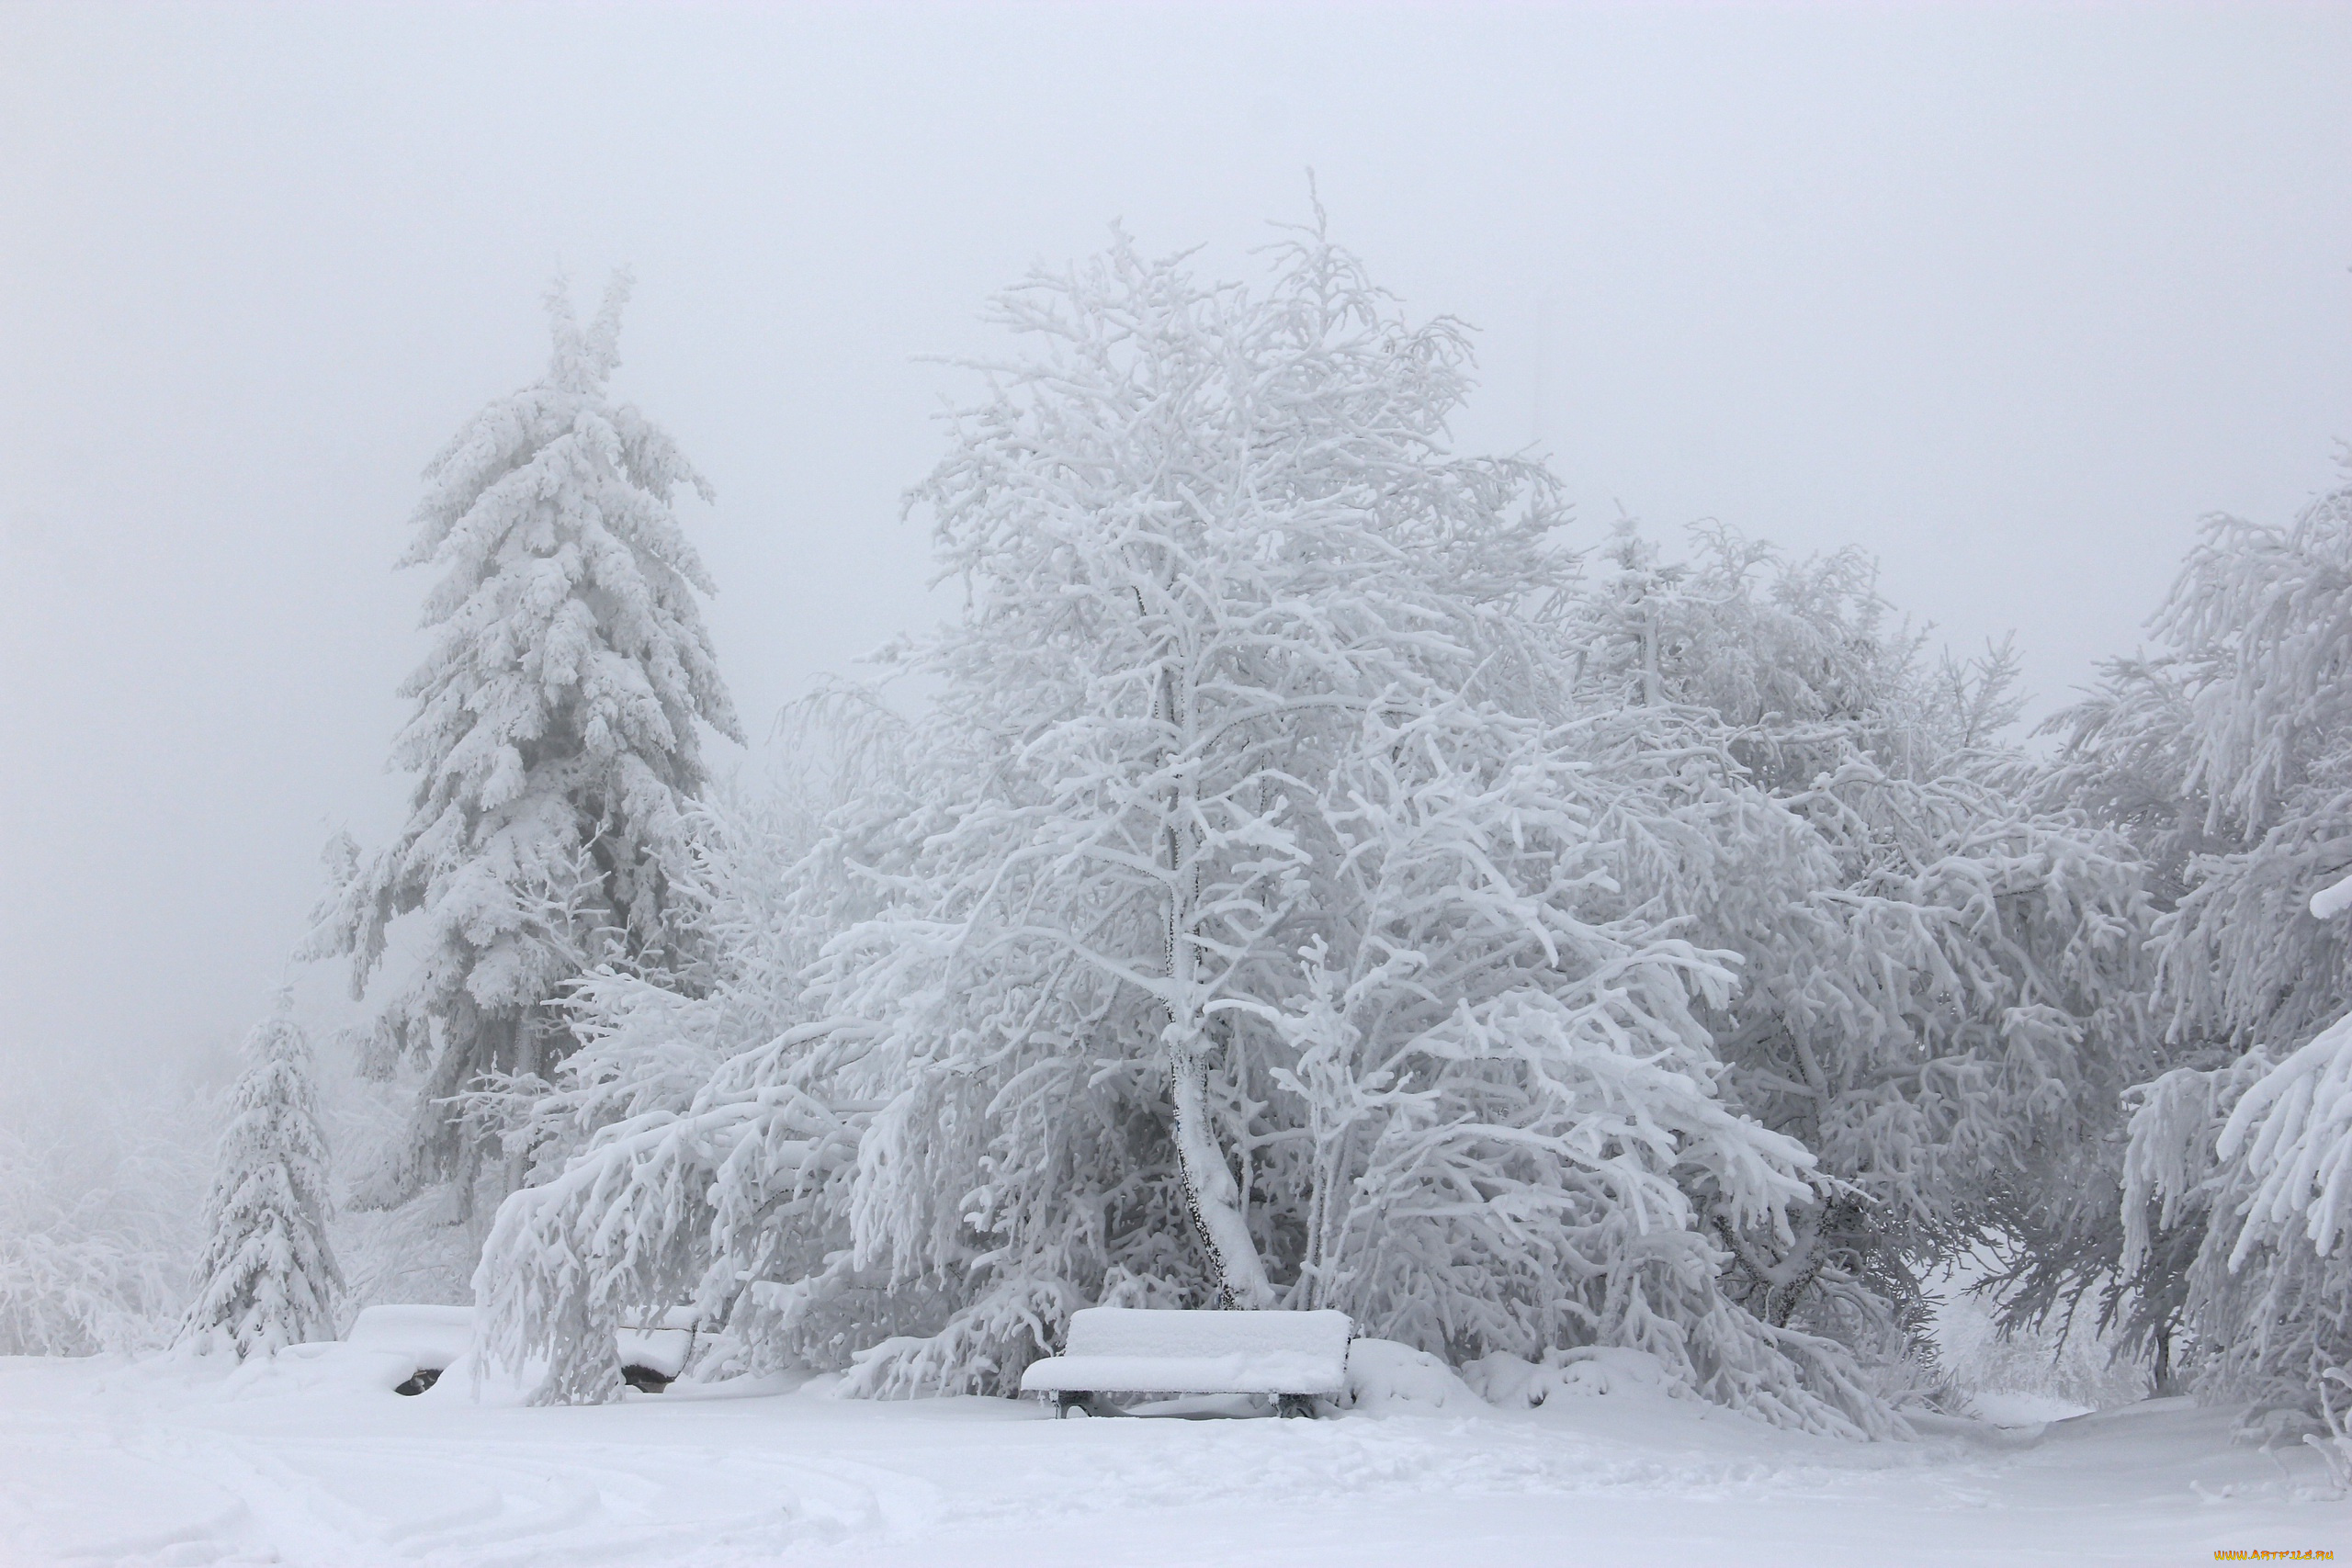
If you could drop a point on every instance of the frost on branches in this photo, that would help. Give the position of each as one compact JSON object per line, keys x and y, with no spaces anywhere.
{"x":1256,"y":921}
{"x":555,"y":744}
{"x":266,"y":1279}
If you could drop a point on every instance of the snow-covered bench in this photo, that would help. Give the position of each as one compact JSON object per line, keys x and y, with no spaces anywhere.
{"x":432,"y":1338}
{"x":655,"y":1352}
{"x":1293,"y":1356}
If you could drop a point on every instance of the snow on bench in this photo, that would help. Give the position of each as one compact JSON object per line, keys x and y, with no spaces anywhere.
{"x":655,"y":1352}
{"x":1290,"y":1355}
{"x":432,"y":1337}
{"x":652,"y":1353}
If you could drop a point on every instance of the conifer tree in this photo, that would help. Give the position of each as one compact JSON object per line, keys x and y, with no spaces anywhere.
{"x":267,"y":1278}
{"x":554,"y":740}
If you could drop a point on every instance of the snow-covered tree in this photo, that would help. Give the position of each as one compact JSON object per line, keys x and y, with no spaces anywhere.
{"x":1516,"y":1137}
{"x":1252,"y":854}
{"x":267,"y":1278}
{"x":2245,"y":1165}
{"x":2260,"y":627}
{"x":2232,"y":1204}
{"x":2124,"y":760}
{"x":555,"y":744}
{"x":1205,"y":535}
{"x":1937,"y":978}
{"x":101,"y":1180}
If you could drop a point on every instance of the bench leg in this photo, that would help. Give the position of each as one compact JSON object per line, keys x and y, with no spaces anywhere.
{"x":1066,"y":1402}
{"x":1289,"y":1405}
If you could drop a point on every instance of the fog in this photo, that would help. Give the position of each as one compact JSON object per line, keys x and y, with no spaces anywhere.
{"x":2008,"y":297}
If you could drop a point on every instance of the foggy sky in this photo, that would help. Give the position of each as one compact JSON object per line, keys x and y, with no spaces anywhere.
{"x":2007,"y":297}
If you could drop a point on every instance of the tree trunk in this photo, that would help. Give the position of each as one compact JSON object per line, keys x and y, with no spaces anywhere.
{"x":526,"y":1065}
{"x":1211,"y":1195}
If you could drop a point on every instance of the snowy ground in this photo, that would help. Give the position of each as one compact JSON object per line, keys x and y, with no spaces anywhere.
{"x":309,"y":1463}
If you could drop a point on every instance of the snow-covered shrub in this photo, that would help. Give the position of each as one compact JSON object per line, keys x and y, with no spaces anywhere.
{"x":267,"y":1278}
{"x":1388,"y":1379}
{"x":556,"y":741}
{"x":754,"y":917}
{"x":1592,"y":1372}
{"x":411,"y":1253}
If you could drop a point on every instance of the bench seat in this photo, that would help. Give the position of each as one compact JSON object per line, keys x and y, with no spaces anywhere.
{"x":1290,"y":1355}
{"x":429,"y":1338}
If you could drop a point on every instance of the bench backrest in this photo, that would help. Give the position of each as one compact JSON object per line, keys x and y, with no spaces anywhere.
{"x":1158,"y":1331}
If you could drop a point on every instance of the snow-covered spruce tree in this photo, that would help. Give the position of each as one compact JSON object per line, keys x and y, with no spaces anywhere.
{"x":1242,"y":860}
{"x":555,"y":742}
{"x":267,"y":1278}
{"x":2237,"y":1155}
{"x":1938,"y":978}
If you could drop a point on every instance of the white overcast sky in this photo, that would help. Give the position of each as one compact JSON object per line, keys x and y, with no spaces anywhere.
{"x":2008,"y":296}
